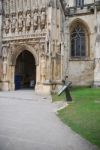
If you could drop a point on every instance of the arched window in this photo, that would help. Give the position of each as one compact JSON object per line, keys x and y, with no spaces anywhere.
{"x":79,"y":41}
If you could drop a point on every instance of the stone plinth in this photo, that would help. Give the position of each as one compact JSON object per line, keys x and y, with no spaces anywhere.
{"x":5,"y":86}
{"x":43,"y":89}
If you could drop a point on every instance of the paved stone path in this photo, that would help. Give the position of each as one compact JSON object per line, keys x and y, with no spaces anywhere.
{"x":28,"y":122}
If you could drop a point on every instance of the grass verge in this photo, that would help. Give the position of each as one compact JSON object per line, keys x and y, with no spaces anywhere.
{"x":83,"y":114}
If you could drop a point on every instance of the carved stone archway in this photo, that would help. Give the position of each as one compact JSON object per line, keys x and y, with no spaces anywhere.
{"x":15,"y":51}
{"x":25,"y":71}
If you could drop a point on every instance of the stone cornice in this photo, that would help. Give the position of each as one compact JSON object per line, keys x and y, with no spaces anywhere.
{"x":87,"y":8}
{"x":24,"y":39}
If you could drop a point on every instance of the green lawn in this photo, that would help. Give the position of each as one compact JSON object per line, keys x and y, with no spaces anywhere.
{"x":83,"y":114}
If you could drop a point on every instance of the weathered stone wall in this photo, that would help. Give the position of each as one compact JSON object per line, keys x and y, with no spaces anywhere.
{"x":82,"y":68}
{"x":97,"y":51}
{"x":43,"y":28}
{"x":36,"y":27}
{"x":81,"y":72}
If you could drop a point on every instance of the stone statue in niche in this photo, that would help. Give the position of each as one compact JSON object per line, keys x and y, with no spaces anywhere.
{"x":28,"y":21}
{"x":4,"y":68}
{"x":35,"y":19}
{"x":13,"y":24}
{"x":20,"y":22}
{"x":51,"y":3}
{"x":7,"y":25}
{"x":36,"y":47}
{"x":42,"y":48}
{"x":4,"y":52}
{"x":4,"y":56}
{"x":11,"y":53}
{"x":43,"y":19}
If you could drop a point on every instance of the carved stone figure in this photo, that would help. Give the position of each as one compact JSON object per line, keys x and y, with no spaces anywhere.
{"x":28,"y":21}
{"x":51,"y":3}
{"x":13,"y":24}
{"x":35,"y":20}
{"x":4,"y":52}
{"x":43,"y":19}
{"x":20,"y":22}
{"x":4,"y":56}
{"x":11,"y":53}
{"x":4,"y":68}
{"x":7,"y":25}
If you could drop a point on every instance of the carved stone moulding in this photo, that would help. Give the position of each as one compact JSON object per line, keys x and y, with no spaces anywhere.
{"x":36,"y":9}
{"x":16,"y":48}
{"x":43,"y":19}
{"x":13,"y":14}
{"x":4,"y":51}
{"x":28,"y":40}
{"x":28,"y":11}
{"x":7,"y":24}
{"x":20,"y":21}
{"x":51,"y":3}
{"x":20,"y":12}
{"x":30,"y":36}
{"x":43,"y":9}
{"x":28,"y":20}
{"x":13,"y":22}
{"x":35,"y":19}
{"x":6,"y":15}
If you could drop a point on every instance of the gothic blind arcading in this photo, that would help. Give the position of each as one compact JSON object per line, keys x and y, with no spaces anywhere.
{"x":78,"y":42}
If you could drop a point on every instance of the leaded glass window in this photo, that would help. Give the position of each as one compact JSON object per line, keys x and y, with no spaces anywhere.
{"x":78,"y":42}
{"x":79,"y":3}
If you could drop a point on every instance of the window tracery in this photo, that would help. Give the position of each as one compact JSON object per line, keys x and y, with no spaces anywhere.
{"x":79,"y":42}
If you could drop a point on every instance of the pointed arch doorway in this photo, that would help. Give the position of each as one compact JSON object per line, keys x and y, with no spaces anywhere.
{"x":25,"y":71}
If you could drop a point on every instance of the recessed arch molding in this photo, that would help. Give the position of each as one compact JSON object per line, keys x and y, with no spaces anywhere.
{"x":17,"y":49}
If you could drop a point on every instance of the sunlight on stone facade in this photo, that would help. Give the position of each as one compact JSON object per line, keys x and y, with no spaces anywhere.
{"x":43,"y":41}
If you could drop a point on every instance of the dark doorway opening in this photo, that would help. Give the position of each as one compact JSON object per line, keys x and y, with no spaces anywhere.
{"x":25,"y":71}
